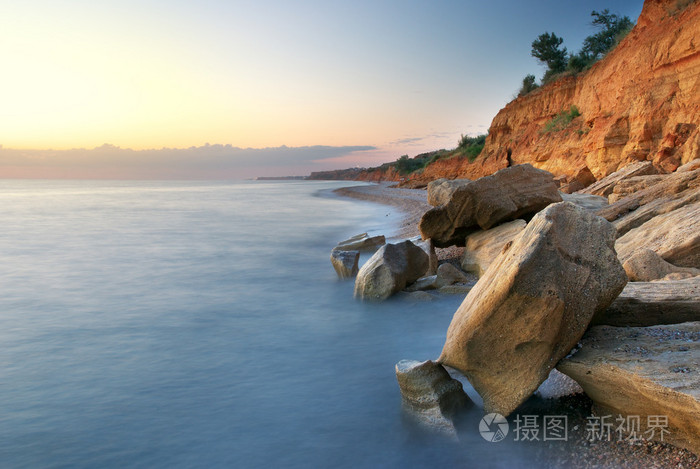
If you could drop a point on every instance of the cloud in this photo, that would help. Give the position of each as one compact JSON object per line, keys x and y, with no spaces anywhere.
{"x":208,"y":161}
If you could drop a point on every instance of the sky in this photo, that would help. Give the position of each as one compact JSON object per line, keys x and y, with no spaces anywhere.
{"x":238,"y":89}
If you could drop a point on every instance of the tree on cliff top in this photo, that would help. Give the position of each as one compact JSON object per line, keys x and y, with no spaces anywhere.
{"x":546,"y":49}
{"x":612,"y":28}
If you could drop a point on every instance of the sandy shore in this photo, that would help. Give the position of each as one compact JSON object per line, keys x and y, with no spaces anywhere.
{"x":577,"y":451}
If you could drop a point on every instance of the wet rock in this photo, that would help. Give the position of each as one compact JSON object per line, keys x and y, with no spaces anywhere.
{"x":345,"y":263}
{"x":440,"y":191}
{"x":447,"y":274}
{"x":646,"y":265}
{"x":482,"y":247}
{"x":430,"y":393}
{"x":649,"y":372}
{"x":652,"y":303}
{"x":389,"y":270}
{"x":508,"y":194}
{"x":423,"y":283}
{"x":361,"y":242}
{"x":534,"y":304}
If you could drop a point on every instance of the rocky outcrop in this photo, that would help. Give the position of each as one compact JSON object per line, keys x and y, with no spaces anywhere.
{"x":389,"y":270}
{"x":646,"y":265}
{"x":440,"y":191}
{"x":361,"y":242}
{"x":606,"y":185}
{"x":652,"y":303}
{"x":651,"y":373}
{"x":345,"y":263}
{"x":482,"y":247}
{"x":506,"y":195}
{"x":430,"y":393}
{"x":533,"y":304}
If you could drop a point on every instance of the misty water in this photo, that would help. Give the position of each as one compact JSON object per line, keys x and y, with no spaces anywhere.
{"x":200,"y":324}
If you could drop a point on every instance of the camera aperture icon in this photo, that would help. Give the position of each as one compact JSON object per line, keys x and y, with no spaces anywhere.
{"x":493,"y":427}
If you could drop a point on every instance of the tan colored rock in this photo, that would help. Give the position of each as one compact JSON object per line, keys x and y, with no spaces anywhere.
{"x":345,"y":263}
{"x":690,"y":166}
{"x":634,"y":184}
{"x":652,"y":303}
{"x":482,"y":247}
{"x":533,"y":304}
{"x":424,"y":283}
{"x":506,"y":195}
{"x":440,"y":191}
{"x":447,"y":274}
{"x":644,"y":372}
{"x":606,"y":185}
{"x":431,"y":393}
{"x":675,"y":236}
{"x":429,"y":248}
{"x":590,"y":202}
{"x":646,"y":265}
{"x":457,"y":288}
{"x":361,"y":242}
{"x":389,"y":270}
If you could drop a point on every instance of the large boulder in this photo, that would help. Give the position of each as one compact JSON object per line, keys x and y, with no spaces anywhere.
{"x":345,"y":263}
{"x":534,"y":304}
{"x":440,"y":190}
{"x":482,"y":247}
{"x":389,"y":270}
{"x":606,"y":185}
{"x":649,"y":374}
{"x":675,"y":236}
{"x":429,"y":248}
{"x":646,"y":265}
{"x":652,"y":303}
{"x":431,"y":393}
{"x":361,"y":242}
{"x":508,"y":194}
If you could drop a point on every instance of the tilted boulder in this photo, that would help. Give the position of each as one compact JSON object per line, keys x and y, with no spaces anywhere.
{"x":508,"y":194}
{"x":647,"y":373}
{"x":345,"y":263}
{"x":361,"y":242}
{"x":440,"y":191}
{"x":606,"y":185}
{"x":534,"y":304}
{"x":389,"y":270}
{"x":646,"y":265}
{"x":482,"y":247}
{"x":431,"y":393}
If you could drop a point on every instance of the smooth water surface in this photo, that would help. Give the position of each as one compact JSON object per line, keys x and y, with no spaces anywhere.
{"x":200,"y":324}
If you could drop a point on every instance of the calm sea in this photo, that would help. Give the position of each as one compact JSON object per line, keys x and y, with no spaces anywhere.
{"x":200,"y":324}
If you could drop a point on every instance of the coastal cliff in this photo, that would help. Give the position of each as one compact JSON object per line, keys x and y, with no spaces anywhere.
{"x":640,"y":102}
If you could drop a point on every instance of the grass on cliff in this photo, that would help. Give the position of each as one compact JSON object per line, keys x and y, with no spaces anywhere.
{"x":561,"y":120}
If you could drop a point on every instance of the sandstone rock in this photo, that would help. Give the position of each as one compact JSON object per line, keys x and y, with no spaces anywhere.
{"x":677,"y":276}
{"x":580,"y":180}
{"x":590,"y":202}
{"x":431,"y":393}
{"x":447,"y":274}
{"x":646,"y":265}
{"x":558,"y":385}
{"x":361,"y":242}
{"x":645,"y":372}
{"x":345,"y":263}
{"x":457,"y":288}
{"x":634,"y":184}
{"x":482,"y":247}
{"x":652,"y":303}
{"x":506,"y":195}
{"x":429,"y":248}
{"x":606,"y":185}
{"x":423,"y":283}
{"x":690,"y":166}
{"x":533,"y":304}
{"x":389,"y":270}
{"x":440,"y":191}
{"x":675,"y":236}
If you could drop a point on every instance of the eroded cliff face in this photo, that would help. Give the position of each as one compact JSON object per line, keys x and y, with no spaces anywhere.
{"x":641,"y":102}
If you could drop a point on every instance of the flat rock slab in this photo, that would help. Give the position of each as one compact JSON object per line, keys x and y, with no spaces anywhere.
{"x":605,"y":186}
{"x":534,"y":304}
{"x":482,"y":247}
{"x":649,"y":372}
{"x":361,"y":242}
{"x":652,"y":303}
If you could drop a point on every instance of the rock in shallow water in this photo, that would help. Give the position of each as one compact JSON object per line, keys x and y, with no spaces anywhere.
{"x":345,"y":263}
{"x":360,"y":242}
{"x":534,"y":304}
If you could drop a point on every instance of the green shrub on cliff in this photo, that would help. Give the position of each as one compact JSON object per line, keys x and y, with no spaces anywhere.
{"x":561,"y":120}
{"x":471,"y":147}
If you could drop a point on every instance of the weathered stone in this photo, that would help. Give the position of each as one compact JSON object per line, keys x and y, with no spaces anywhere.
{"x":440,"y":191}
{"x":361,"y":242}
{"x":646,"y":265}
{"x":558,"y":385}
{"x":644,"y":372}
{"x":457,"y":288}
{"x":431,"y":393}
{"x":588,"y":201}
{"x":423,"y":283}
{"x":606,"y":185}
{"x":429,"y":248}
{"x":580,"y":180}
{"x":345,"y":263}
{"x":508,"y":194}
{"x":533,"y":304}
{"x":389,"y":270}
{"x":482,"y":247}
{"x":689,"y":166}
{"x":675,"y":236}
{"x":634,"y":184}
{"x":447,"y":274}
{"x":652,"y":303}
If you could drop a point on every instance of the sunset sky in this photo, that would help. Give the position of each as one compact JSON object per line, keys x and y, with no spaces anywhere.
{"x":358,"y":83}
